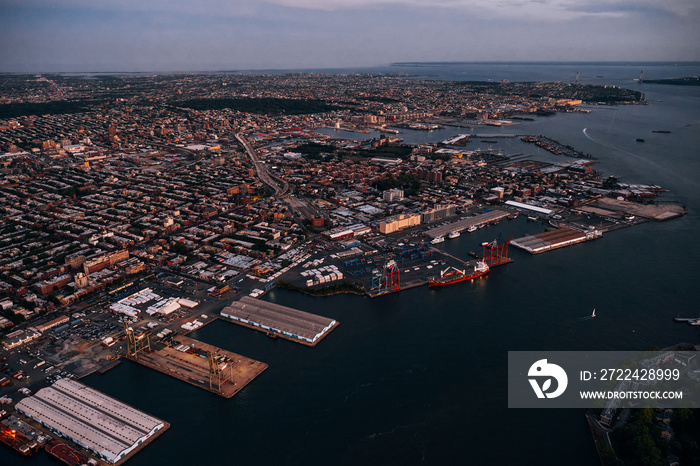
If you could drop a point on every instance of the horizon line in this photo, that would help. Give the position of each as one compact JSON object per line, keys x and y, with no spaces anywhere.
{"x":359,"y":67}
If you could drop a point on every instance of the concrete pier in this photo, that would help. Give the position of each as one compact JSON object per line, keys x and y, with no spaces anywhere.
{"x":194,"y":369}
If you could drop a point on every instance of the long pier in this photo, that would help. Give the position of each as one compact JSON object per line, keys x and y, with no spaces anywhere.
{"x":554,"y":239}
{"x":194,"y":369}
{"x":279,"y":321}
{"x":466,"y":223}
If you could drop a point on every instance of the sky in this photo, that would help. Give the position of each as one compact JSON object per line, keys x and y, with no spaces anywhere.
{"x":215,"y":35}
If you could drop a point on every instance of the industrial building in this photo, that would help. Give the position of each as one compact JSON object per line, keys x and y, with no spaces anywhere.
{"x":398,"y":222}
{"x":93,"y":420}
{"x":439,"y":212}
{"x":347,"y":231}
{"x":20,"y":337}
{"x":52,"y":323}
{"x":286,"y":322}
{"x":392,"y":195}
{"x":553,"y":239}
{"x":533,"y":208}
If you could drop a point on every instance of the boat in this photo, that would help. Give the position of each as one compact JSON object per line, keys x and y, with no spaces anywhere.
{"x":593,"y":313}
{"x":454,"y":234}
{"x":438,"y":240}
{"x":694,"y":322}
{"x":64,"y":453}
{"x":661,"y":131}
{"x":471,"y":228}
{"x":640,"y":140}
{"x":532,"y":219}
{"x":685,"y":319}
{"x":448,"y":277}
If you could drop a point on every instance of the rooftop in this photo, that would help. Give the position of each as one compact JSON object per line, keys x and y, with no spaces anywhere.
{"x":108,"y":427}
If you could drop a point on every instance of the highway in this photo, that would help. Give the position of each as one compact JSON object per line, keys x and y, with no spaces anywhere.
{"x":280,"y":187}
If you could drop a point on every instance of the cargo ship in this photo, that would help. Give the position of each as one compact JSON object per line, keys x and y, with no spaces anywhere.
{"x":448,"y":277}
{"x":66,"y":454}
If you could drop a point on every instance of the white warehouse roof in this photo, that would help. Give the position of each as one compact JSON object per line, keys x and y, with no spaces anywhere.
{"x":534,"y":208}
{"x":102,"y":424}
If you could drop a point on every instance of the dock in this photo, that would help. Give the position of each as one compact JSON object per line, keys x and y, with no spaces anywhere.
{"x":404,"y":286}
{"x":277,"y":320}
{"x":112,"y":431}
{"x":194,"y":369}
{"x":466,"y":223}
{"x":554,"y":239}
{"x":109,"y":366}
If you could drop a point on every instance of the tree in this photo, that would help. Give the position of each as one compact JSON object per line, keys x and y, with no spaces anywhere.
{"x":53,"y":299}
{"x":610,"y":183}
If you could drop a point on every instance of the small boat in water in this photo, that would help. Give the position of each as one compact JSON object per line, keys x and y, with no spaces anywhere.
{"x":593,"y":313}
{"x":471,"y":228}
{"x":453,"y":234}
{"x":438,"y":240}
{"x":685,"y":319}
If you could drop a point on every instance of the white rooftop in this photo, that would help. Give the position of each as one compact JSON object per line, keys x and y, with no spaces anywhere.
{"x":90,"y":418}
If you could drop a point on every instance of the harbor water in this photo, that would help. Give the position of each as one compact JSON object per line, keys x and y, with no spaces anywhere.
{"x":419,"y":377}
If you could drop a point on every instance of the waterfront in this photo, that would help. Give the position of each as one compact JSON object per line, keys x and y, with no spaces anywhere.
{"x":419,"y":376}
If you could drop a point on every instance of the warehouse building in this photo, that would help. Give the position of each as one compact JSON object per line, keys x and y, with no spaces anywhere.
{"x":286,"y":322}
{"x":398,"y":222}
{"x":439,"y":212}
{"x":93,"y":420}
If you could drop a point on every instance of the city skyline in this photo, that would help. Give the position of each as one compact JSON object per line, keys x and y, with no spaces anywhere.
{"x":77,"y":35}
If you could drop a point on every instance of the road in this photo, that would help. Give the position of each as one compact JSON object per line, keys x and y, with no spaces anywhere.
{"x":279,"y":185}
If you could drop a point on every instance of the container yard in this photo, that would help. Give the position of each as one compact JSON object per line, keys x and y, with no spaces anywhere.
{"x":202,"y":365}
{"x":276,"y":320}
{"x":554,"y":239}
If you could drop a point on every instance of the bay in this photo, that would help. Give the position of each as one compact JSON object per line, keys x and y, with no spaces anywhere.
{"x":419,"y":377}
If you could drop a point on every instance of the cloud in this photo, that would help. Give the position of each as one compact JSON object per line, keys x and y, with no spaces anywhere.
{"x":218,"y":8}
{"x":179,"y":34}
{"x":548,"y":8}
{"x":540,"y":10}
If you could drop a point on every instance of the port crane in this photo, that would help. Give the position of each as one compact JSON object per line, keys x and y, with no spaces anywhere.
{"x":136,"y":341}
{"x":496,"y":252}
{"x":220,"y":371}
{"x":388,"y":279}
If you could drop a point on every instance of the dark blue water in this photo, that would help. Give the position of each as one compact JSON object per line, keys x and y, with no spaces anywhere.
{"x":419,"y":377}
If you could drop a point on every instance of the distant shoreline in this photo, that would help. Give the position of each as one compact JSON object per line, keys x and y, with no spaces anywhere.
{"x":687,"y":81}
